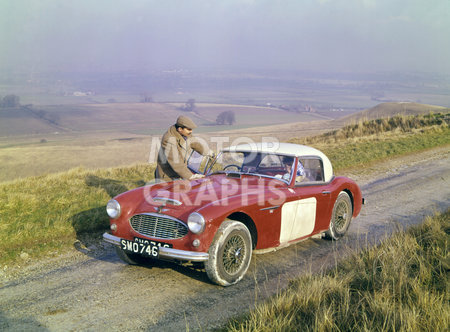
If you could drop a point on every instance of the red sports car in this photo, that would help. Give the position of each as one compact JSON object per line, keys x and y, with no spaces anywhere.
{"x":254,"y":198}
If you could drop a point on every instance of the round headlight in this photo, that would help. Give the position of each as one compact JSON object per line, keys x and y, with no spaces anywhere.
{"x":196,"y":223}
{"x":113,"y":209}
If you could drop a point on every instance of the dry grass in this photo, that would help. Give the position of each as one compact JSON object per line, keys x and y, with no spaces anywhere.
{"x":391,"y":109}
{"x":51,"y":157}
{"x":379,"y":128}
{"x":401,"y":285}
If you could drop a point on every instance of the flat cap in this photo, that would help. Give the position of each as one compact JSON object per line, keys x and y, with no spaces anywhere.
{"x":184,"y":121}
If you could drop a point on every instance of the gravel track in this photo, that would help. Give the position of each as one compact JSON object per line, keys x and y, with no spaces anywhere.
{"x":91,"y":290}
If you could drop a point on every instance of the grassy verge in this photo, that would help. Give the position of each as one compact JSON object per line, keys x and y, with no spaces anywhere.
{"x":369,"y":141}
{"x":400,"y":285}
{"x":357,"y":153}
{"x":46,"y":214}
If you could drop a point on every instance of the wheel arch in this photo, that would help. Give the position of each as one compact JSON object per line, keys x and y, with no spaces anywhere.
{"x":248,"y":222}
{"x":352,"y":200}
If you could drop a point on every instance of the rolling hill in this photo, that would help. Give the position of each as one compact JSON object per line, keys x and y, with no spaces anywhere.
{"x":386,"y":110}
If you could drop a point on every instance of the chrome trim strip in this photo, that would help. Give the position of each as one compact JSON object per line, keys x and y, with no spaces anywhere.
{"x":270,"y":208}
{"x":160,"y":215}
{"x":166,"y":253}
{"x":184,"y":255}
{"x":111,"y":239}
{"x":167,"y":200}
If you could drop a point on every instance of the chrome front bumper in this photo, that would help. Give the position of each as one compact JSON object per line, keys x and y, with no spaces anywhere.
{"x":166,"y":253}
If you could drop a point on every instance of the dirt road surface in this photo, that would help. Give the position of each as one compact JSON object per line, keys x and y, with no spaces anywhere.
{"x":91,"y":290}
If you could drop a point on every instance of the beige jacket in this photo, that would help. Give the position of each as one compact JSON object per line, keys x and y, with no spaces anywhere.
{"x":174,"y":153}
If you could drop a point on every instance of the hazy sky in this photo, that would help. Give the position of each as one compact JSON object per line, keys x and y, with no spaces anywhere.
{"x":328,"y":35}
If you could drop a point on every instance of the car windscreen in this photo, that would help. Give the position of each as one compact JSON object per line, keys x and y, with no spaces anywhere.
{"x":197,"y":163}
{"x":255,"y":163}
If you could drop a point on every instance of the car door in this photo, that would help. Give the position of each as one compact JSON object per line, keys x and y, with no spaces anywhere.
{"x":306,"y":203}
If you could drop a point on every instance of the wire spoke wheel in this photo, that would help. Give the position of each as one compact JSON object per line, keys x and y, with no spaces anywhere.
{"x":229,"y":254}
{"x":233,"y":254}
{"x":341,"y":217}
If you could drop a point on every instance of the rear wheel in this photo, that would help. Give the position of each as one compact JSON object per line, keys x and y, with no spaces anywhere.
{"x":230,"y":253}
{"x":129,"y":258}
{"x":341,"y":217}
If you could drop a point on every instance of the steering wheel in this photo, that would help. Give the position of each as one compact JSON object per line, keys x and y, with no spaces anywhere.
{"x":232,"y":165}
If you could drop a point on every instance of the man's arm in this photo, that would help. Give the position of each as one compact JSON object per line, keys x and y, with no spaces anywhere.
{"x":200,"y":146}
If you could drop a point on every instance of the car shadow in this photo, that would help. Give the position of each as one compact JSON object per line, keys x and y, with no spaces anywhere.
{"x":191,"y":270}
{"x":89,"y":225}
{"x":27,"y":323}
{"x":112,"y":187}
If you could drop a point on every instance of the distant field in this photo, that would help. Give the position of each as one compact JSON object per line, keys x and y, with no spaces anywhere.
{"x":19,"y":121}
{"x":44,"y":158}
{"x":135,"y":118}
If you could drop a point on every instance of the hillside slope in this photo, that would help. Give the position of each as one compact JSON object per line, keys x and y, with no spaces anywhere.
{"x":391,"y":109}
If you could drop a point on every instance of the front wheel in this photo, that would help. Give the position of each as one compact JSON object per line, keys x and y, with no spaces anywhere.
{"x":341,"y":217}
{"x":230,"y":253}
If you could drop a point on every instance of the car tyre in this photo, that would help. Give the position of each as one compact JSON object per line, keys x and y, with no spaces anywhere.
{"x":229,"y":254}
{"x":129,"y":258}
{"x":341,"y":217}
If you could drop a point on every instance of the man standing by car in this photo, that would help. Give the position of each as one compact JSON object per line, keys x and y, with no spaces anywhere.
{"x":176,"y":146}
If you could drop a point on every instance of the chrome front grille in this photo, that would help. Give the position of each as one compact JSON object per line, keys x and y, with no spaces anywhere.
{"x":158,"y":226}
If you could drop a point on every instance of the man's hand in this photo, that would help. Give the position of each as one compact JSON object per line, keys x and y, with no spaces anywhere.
{"x":196,"y":176}
{"x":211,"y":154}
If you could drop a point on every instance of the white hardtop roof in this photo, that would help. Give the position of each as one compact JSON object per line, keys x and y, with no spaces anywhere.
{"x":277,"y":148}
{"x":288,"y":149}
